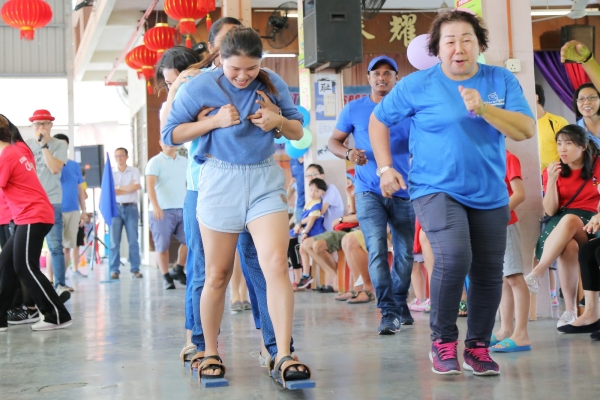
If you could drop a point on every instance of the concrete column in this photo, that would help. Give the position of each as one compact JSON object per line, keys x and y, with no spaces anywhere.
{"x":70,"y":66}
{"x":240,"y":9}
{"x":496,"y":18}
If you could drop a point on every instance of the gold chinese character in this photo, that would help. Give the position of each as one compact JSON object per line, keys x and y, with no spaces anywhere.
{"x":403,"y":27}
{"x":366,"y":34}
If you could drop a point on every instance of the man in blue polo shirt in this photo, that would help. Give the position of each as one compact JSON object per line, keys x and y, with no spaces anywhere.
{"x":166,"y":186}
{"x":375,"y":212}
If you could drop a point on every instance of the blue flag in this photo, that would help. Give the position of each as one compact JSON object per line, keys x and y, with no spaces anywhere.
{"x":108,"y":194}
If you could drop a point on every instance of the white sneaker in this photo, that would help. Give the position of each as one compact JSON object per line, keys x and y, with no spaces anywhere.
{"x":420,"y":305}
{"x":568,"y":317}
{"x":64,"y":293}
{"x":46,"y":326}
{"x":3,"y":328}
{"x":533,"y":282}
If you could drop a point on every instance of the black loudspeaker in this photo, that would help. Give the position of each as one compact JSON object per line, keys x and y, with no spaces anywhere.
{"x":332,"y":33}
{"x":585,"y":34}
{"x":91,"y":159}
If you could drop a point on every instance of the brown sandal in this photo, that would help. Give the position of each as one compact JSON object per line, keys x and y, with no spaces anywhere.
{"x":344,"y":296}
{"x":213,"y":363}
{"x":195,"y":361}
{"x":355,"y":300}
{"x":187,"y":353}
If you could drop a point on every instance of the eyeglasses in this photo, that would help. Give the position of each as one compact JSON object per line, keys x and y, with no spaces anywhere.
{"x":589,"y":98}
{"x":45,"y":123}
{"x":308,"y":176}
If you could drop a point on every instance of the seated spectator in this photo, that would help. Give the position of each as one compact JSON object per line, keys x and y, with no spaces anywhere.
{"x":571,"y":200}
{"x":586,"y":103}
{"x":357,"y":258}
{"x":589,"y":262}
{"x":321,"y":247}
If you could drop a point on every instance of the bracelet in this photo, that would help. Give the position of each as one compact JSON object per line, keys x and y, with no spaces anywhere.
{"x":281,"y":127}
{"x":588,"y":58}
{"x":484,"y":110}
{"x":348,"y":154}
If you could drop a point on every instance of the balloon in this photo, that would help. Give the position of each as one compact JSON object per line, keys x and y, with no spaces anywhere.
{"x":294,"y":152}
{"x":481,"y":59}
{"x":417,"y":55}
{"x":282,"y":140}
{"x":305,"y":114}
{"x":303,"y":143}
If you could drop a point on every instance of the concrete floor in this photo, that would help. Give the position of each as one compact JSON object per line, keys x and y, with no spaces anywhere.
{"x":126,"y":338}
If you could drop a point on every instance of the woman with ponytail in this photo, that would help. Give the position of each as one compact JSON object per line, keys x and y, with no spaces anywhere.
{"x":571,"y":199}
{"x":240,"y":186}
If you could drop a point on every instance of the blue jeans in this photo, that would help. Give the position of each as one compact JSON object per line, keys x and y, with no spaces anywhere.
{"x":129,"y":216}
{"x":54,"y":240}
{"x":465,"y":241}
{"x":375,"y":213}
{"x":257,"y":286}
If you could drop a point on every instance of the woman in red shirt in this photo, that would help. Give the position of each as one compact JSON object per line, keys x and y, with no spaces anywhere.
{"x":570,"y":211}
{"x":33,"y":216}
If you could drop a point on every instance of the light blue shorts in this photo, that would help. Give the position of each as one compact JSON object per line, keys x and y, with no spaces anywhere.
{"x":232,"y":195}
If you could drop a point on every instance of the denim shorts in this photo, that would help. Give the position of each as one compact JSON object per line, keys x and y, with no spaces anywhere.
{"x":230,"y":196}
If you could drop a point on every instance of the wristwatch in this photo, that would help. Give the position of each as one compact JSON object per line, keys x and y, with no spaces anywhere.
{"x":348,"y":153}
{"x":341,"y":220}
{"x":381,"y":170}
{"x":46,"y":146}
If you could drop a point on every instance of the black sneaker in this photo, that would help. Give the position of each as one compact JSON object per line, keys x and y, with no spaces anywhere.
{"x":24,"y":316}
{"x":177,"y":273}
{"x":13,"y":311}
{"x":63,"y":293}
{"x":168,"y":282}
{"x":304,"y":282}
{"x":405,"y":317}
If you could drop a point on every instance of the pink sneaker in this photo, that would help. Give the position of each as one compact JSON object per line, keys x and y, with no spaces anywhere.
{"x":419,"y":305}
{"x":444,"y":358}
{"x":554,"y":301}
{"x":478,"y":360}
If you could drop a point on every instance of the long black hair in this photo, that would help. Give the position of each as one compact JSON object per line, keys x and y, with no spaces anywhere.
{"x":576,"y":96}
{"x":13,"y":132}
{"x":244,"y":41}
{"x":177,"y":57}
{"x":215,"y":29}
{"x":578,"y":135}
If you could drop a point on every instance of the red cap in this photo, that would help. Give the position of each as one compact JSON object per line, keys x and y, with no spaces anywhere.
{"x":41,"y":115}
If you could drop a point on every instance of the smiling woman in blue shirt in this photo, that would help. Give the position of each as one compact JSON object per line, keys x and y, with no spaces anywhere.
{"x":240,"y":186}
{"x":461,"y":112}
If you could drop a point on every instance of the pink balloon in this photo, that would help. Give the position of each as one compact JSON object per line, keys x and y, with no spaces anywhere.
{"x":417,"y":54}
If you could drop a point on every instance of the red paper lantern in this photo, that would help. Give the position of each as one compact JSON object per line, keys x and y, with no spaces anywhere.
{"x":186,"y":12}
{"x":145,"y":59}
{"x":26,"y":15}
{"x":133,"y":65}
{"x":160,"y":38}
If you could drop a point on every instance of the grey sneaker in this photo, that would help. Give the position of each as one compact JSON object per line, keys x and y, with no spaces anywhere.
{"x":78,"y":274}
{"x":236,"y":306}
{"x":136,"y":275}
{"x":533,"y":282}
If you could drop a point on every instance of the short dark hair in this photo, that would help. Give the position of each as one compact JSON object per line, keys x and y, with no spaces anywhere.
{"x":576,"y":95}
{"x":218,"y":24}
{"x":124,"y":149}
{"x":539,"y":90}
{"x":481,"y":31}
{"x":82,"y":171}
{"x":14,"y":131}
{"x":578,"y":135}
{"x":319,"y":183}
{"x":62,"y":136}
{"x":317,"y":167}
{"x":177,"y":57}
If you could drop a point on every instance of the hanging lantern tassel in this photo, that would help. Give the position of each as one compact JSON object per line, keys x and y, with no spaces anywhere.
{"x":208,"y":22}
{"x":149,"y":85}
{"x":188,"y":41}
{"x":26,"y":33}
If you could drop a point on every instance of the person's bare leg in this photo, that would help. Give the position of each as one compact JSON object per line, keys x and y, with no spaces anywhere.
{"x":568,"y":272}
{"x":358,"y":262}
{"x":162,"y":259}
{"x":74,"y":255}
{"x":67,"y":255}
{"x":305,"y":246}
{"x":552,"y":276}
{"x":271,"y":238}
{"x":427,"y":254}
{"x":507,"y":312}
{"x":520,"y":295}
{"x":569,"y":228}
{"x":236,"y":277}
{"x":319,"y":253}
{"x":298,"y":274}
{"x":418,"y":281}
{"x":49,"y":272}
{"x":219,"y":252}
{"x":182,"y":255}
{"x":590,"y":313}
{"x":188,"y":337}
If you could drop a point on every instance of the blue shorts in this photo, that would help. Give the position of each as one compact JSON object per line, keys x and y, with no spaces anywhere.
{"x":232,"y":195}
{"x":170,"y":225}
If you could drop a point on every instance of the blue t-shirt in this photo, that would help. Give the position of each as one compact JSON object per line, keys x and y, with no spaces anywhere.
{"x":354,"y":119}
{"x":298,"y":174}
{"x":239,"y":144}
{"x":453,"y":153}
{"x":70,"y":179}
{"x":591,"y":136}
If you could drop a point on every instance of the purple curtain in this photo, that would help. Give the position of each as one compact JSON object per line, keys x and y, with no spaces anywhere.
{"x":555,"y":73}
